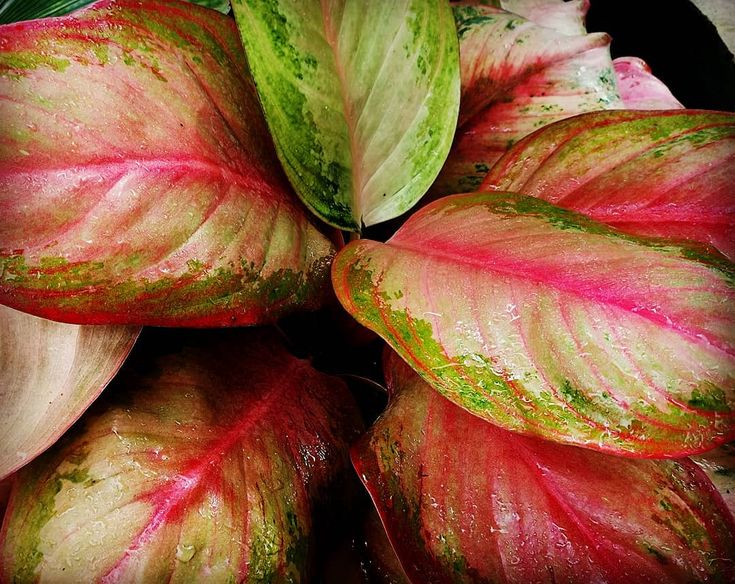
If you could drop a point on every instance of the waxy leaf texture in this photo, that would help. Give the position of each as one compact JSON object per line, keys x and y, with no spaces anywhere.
{"x":519,"y":75}
{"x":138,"y":182}
{"x":49,"y":374}
{"x":668,"y":174}
{"x":208,"y":467}
{"x":550,"y":324}
{"x":640,"y":89}
{"x":361,"y":98}
{"x":465,"y":501}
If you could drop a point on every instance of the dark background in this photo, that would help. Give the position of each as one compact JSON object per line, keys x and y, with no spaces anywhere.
{"x":678,"y":42}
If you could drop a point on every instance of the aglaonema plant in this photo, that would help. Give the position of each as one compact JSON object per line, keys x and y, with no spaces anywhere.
{"x":538,"y":511}
{"x":141,"y":186}
{"x":139,"y":180}
{"x":546,"y":322}
{"x":208,"y":466}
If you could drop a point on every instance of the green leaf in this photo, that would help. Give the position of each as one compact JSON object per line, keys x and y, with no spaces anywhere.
{"x":545,"y":322}
{"x":18,"y":10}
{"x":361,"y":98}
{"x":206,"y":467}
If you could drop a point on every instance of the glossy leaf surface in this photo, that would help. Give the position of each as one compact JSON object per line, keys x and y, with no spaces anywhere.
{"x":17,"y":10}
{"x":49,"y":374}
{"x":517,"y":76}
{"x":138,"y":184}
{"x":361,"y":98}
{"x":640,"y":89}
{"x":668,"y":174}
{"x":465,"y":501}
{"x":548,"y":323}
{"x":207,"y":468}
{"x":719,"y":464}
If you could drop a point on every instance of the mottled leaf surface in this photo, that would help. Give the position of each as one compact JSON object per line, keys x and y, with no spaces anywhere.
{"x":548,"y":323}
{"x":668,"y":174}
{"x":17,"y":10}
{"x":49,"y":374}
{"x":465,"y":501}
{"x":138,"y":183}
{"x":640,"y":89}
{"x":361,"y":98}
{"x":207,"y":468}
{"x":517,"y":76}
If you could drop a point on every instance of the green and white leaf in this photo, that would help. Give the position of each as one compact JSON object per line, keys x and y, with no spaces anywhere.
{"x":362,"y":98}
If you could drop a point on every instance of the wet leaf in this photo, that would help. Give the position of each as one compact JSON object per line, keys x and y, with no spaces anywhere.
{"x":465,"y":501}
{"x":138,"y":182}
{"x":361,"y":99}
{"x":519,"y":75}
{"x":667,"y":174}
{"x":17,"y":10}
{"x":208,"y":466}
{"x":550,"y":324}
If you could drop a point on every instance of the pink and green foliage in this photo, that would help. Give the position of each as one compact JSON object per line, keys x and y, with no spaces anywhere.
{"x":550,"y":324}
{"x":208,"y":468}
{"x":50,"y":372}
{"x":640,"y":89}
{"x":138,"y":181}
{"x":517,"y":76}
{"x":465,"y":501}
{"x":668,"y":174}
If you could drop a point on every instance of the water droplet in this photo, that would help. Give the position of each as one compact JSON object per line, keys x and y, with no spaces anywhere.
{"x":185,"y":552}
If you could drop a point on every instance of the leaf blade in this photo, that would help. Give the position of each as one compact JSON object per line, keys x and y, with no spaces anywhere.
{"x":662,"y":174}
{"x":49,"y":374}
{"x":519,"y":75}
{"x":510,"y":508}
{"x":360,"y":127}
{"x":18,"y":10}
{"x":209,"y":464}
{"x":173,"y":212}
{"x":490,"y":298}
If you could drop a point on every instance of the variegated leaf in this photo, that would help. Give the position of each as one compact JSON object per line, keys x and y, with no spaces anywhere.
{"x":464,"y":501}
{"x":361,"y":98}
{"x":668,"y":174}
{"x":516,"y":77}
{"x":138,"y":184}
{"x":550,"y":324}
{"x":207,"y":467}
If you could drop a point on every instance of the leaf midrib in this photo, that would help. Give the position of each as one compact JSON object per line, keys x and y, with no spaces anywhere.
{"x":496,"y":263}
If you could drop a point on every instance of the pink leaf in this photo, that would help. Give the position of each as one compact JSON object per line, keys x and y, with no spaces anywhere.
{"x":464,"y":501}
{"x":516,"y":77}
{"x":138,"y":182}
{"x":50,"y":372}
{"x":666,"y":174}
{"x":639,"y":89}
{"x":208,"y":467}
{"x":548,"y":323}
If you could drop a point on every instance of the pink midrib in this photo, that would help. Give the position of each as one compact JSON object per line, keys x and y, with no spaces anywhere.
{"x":167,"y":500}
{"x":544,"y":274}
